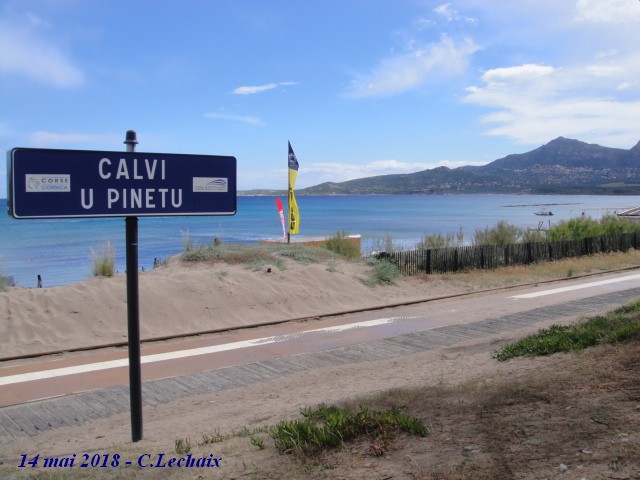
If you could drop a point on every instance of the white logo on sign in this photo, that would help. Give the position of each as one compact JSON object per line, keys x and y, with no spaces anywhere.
{"x":210,"y":184}
{"x":47,"y":183}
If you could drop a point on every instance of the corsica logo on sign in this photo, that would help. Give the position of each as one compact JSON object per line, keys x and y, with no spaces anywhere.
{"x":48,"y":183}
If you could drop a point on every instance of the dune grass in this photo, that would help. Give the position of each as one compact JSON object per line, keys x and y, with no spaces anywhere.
{"x":343,"y":246}
{"x":383,"y":272}
{"x":4,"y":282}
{"x":104,"y":260}
{"x":257,"y":257}
{"x":256,"y":254}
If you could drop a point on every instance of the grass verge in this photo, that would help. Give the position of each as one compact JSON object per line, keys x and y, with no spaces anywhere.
{"x":617,"y":325}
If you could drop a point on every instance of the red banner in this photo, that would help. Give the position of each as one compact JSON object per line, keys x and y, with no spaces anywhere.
{"x":281,"y":212}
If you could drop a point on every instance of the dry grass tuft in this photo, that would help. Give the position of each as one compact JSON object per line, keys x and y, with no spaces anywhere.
{"x":104,"y":260}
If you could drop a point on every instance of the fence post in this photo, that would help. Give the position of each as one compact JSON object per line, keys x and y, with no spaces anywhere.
{"x":550,"y":251}
{"x":429,"y":261}
{"x":529,"y":253}
{"x":414,"y":267}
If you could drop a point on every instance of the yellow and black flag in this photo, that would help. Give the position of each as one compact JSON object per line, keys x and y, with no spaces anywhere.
{"x":294,"y":214}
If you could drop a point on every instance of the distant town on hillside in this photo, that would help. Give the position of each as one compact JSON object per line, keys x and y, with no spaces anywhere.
{"x":562,"y":166}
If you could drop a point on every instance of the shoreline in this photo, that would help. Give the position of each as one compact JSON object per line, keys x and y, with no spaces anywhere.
{"x":59,"y":250}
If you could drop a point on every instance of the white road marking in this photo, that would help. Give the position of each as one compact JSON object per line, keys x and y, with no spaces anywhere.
{"x":577,"y":287}
{"x":159,"y":357}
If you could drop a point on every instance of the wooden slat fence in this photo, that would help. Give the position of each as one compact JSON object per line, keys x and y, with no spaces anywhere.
{"x":469,"y":257}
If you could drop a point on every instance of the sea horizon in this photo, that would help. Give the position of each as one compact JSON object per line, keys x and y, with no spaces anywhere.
{"x":60,"y":249}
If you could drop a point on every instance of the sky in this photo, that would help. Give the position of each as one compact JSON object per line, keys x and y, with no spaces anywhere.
{"x":359,"y":87}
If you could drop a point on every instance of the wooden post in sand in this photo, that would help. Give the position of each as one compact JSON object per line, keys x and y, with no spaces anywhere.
{"x":133,"y":314}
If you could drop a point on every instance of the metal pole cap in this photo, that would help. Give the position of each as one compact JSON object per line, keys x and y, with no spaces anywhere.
{"x":130,"y":138}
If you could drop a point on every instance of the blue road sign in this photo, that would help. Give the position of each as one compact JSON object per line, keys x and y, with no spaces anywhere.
{"x":46,"y":183}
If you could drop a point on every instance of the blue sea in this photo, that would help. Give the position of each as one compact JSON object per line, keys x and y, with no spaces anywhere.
{"x":60,"y":249}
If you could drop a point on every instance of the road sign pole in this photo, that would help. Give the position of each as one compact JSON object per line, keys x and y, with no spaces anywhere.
{"x":49,"y":183}
{"x":133,"y":314}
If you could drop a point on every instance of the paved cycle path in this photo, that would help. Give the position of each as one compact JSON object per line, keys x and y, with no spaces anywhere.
{"x":32,"y":418}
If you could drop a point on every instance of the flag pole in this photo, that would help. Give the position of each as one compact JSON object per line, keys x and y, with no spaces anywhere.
{"x":293,"y":214}
{"x":288,"y":203}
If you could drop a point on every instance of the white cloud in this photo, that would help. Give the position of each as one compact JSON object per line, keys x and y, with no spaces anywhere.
{"x":451,"y":15}
{"x":608,"y":11}
{"x":22,"y":52}
{"x":535,"y":103}
{"x":48,"y":139}
{"x":446,"y":11}
{"x":520,"y":73}
{"x":251,"y":120}
{"x":627,"y":85}
{"x":251,"y":90}
{"x":607,"y":53}
{"x":412,"y":70}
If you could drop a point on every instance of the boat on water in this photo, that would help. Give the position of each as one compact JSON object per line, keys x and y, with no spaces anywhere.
{"x":544,"y":213}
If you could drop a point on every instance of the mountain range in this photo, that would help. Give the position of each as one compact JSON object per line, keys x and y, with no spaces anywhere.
{"x":561,"y":166}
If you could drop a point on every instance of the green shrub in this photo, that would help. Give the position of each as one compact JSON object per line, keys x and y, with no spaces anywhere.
{"x":584,"y":227}
{"x":502,"y":234}
{"x":384,"y":272}
{"x":533,"y":236}
{"x":343,"y":246}
{"x":437,"y":240}
{"x":574,"y":229}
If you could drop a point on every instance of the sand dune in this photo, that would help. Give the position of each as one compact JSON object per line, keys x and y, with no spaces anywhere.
{"x":180,"y":297}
